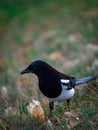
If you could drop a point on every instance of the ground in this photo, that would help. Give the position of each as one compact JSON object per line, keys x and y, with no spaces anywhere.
{"x":64,"y":34}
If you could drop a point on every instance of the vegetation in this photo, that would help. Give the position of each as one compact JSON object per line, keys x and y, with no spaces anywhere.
{"x":64,"y":34}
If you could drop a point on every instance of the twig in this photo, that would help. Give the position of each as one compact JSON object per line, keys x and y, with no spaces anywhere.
{"x":2,"y":125}
{"x":91,"y":90}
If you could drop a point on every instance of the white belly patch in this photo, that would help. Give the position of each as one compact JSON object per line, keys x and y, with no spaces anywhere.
{"x":65,"y":95}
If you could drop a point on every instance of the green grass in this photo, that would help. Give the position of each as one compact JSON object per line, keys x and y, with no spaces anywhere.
{"x":23,"y":25}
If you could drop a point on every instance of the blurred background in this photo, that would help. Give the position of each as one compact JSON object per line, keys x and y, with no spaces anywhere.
{"x":62,"y":33}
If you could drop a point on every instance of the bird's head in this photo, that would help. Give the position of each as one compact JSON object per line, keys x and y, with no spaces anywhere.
{"x":35,"y":67}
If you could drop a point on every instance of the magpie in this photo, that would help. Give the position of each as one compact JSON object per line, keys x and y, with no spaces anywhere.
{"x":55,"y":85}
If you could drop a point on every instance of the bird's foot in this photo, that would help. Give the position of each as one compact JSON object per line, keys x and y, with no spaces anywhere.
{"x":68,"y":109}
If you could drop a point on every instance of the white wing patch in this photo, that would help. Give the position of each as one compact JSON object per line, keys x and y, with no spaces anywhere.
{"x":64,"y":81}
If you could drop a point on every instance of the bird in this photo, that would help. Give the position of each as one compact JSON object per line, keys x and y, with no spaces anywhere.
{"x":53,"y":84}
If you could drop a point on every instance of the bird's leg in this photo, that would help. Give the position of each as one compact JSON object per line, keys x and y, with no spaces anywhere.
{"x":51,"y":104}
{"x":68,"y":105}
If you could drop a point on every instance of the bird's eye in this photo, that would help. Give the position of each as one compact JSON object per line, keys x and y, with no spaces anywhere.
{"x":34,"y":69}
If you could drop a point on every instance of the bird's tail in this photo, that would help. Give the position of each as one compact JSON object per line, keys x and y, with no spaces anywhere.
{"x":85,"y":80}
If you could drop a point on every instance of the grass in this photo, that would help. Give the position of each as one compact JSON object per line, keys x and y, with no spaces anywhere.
{"x":39,"y":30}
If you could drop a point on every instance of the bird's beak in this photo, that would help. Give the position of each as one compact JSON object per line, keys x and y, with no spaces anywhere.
{"x":24,"y":71}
